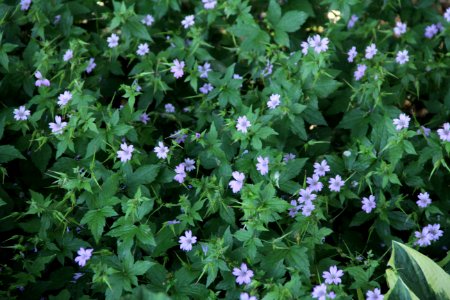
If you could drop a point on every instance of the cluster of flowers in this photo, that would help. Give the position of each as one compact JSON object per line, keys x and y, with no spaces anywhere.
{"x":402,"y":122}
{"x":429,"y":233}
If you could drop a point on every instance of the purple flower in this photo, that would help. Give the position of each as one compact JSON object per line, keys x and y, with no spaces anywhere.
{"x":25,"y":4}
{"x":243,"y":275}
{"x":426,"y":130}
{"x":64,"y":98}
{"x":245,"y":296}
{"x":173,"y":222}
{"x":179,"y":136}
{"x":320,"y":169}
{"x":263,"y":165}
{"x":399,"y":29}
{"x":180,"y":173}
{"x":125,"y":153}
{"x":306,"y":195}
{"x":447,"y":14}
{"x":424,"y":200}
{"x":314,"y":184}
{"x":351,"y":23}
{"x":204,"y":70}
{"x":68,"y":55}
{"x":242,"y":124}
{"x":444,"y":132}
{"x":402,"y":57}
{"x":293,"y":211}
{"x":56,"y":19}
{"x":336,"y":183}
{"x":319,"y":44}
{"x":374,"y":295}
{"x":351,"y":54}
{"x":21,"y":114}
{"x":187,"y":241}
{"x":423,"y":238}
{"x":368,"y":204}
{"x":206,"y":88}
{"x":288,"y":156}
{"x":431,"y":31}
{"x":268,"y":69}
{"x":142,"y":49}
{"x":161,"y":150}
{"x":58,"y":126}
{"x":83,"y":256}
{"x":434,"y":231}
{"x":76,"y":276}
{"x":188,"y":21}
{"x":209,"y":4}
{"x":274,"y":101}
{"x":113,"y":41}
{"x":177,"y":68}
{"x":237,"y":183}
{"x":148,"y":20}
{"x":305,"y":47}
{"x":40,"y":80}
{"x":169,"y":108}
{"x":144,"y":118}
{"x":371,"y":50}
{"x":307,"y":208}
{"x":91,"y":66}
{"x":189,"y":164}
{"x":320,"y":292}
{"x":333,"y":276}
{"x":401,"y":122}
{"x":360,"y":71}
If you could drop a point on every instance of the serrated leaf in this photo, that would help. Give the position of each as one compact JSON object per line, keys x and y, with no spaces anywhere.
{"x":8,"y":153}
{"x":292,"y":21}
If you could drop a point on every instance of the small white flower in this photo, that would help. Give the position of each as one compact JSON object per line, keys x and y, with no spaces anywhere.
{"x":188,"y":21}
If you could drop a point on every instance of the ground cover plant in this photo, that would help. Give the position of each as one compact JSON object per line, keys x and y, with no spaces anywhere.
{"x":224,"y":149}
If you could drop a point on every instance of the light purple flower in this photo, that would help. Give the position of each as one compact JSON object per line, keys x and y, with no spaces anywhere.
{"x":188,"y":21}
{"x":368,"y":204}
{"x":399,"y":29}
{"x":126,"y":152}
{"x":288,"y":156}
{"x":447,"y":14}
{"x":243,"y":275}
{"x":206,"y":88}
{"x":351,"y":54}
{"x":319,"y":44}
{"x":306,"y":195}
{"x":242,"y":124}
{"x":64,"y":98}
{"x":58,"y":126}
{"x":189,"y":164}
{"x":320,"y":169}
{"x":161,"y":150}
{"x":144,"y":118}
{"x":76,"y":276}
{"x":307,"y":208}
{"x":209,"y":4}
{"x":268,"y":69}
{"x":41,"y":80}
{"x":305,"y":47}
{"x":56,"y":19}
{"x":444,"y":132}
{"x":426,"y":130}
{"x":374,"y":295}
{"x":180,"y":173}
{"x":333,"y":276}
{"x":360,"y":71}
{"x":371,"y":50}
{"x":143,"y":49}
{"x":204,"y":70}
{"x":169,"y":108}
{"x":336,"y":183}
{"x":91,"y":66}
{"x":263,"y":165}
{"x":237,"y":183}
{"x":402,"y":57}
{"x":401,"y":122}
{"x":320,"y":292}
{"x":173,"y":222}
{"x":83,"y":256}
{"x":423,"y":238}
{"x":434,"y":231}
{"x":21,"y":113}
{"x":424,"y":200}
{"x":113,"y":41}
{"x":68,"y":55}
{"x":351,"y":23}
{"x":314,"y":184}
{"x":237,"y":76}
{"x":187,"y":241}
{"x":431,"y":31}
{"x":148,"y":20}
{"x":293,"y":210}
{"x":177,"y":68}
{"x":25,"y":4}
{"x":274,"y":101}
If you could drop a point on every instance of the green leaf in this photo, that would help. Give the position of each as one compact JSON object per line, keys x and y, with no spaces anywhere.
{"x":297,"y":258}
{"x":95,"y":219}
{"x":8,"y":153}
{"x":274,"y":12}
{"x":292,"y":21}
{"x":325,"y":86}
{"x":137,"y":29}
{"x":143,"y":175}
{"x":398,"y":289}
{"x":140,"y":267}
